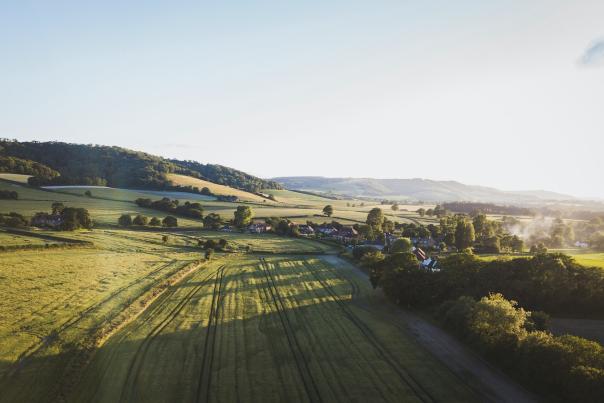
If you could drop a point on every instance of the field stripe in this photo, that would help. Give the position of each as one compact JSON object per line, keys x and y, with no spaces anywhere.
{"x":310,"y":385}
{"x":205,"y":375}
{"x":136,"y":365}
{"x":404,"y":375}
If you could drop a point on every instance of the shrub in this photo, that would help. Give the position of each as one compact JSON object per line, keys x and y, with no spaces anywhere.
{"x":125,"y":220}
{"x":140,"y":220}
{"x":13,"y":220}
{"x":401,"y":245}
{"x":8,"y":195}
{"x":155,"y":222}
{"x":170,"y":221}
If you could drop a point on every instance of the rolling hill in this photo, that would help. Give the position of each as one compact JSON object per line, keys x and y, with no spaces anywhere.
{"x":414,"y":189}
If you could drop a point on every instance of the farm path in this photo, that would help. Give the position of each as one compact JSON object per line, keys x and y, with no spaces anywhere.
{"x":482,"y":377}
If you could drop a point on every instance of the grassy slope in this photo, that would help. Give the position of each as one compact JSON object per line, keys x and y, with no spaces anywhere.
{"x":15,"y":177}
{"x":293,"y":330}
{"x":105,"y":212}
{"x":215,"y":188}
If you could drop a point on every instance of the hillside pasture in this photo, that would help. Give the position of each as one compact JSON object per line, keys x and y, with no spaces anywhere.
{"x":215,"y":188}
{"x":15,"y":177}
{"x":117,"y":194}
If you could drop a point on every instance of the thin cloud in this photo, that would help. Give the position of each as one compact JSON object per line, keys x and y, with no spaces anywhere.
{"x":594,"y":55}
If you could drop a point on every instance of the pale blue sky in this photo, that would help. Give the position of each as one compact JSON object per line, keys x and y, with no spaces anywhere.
{"x":507,"y":94}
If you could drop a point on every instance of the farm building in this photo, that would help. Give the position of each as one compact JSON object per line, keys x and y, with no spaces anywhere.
{"x":425,"y":262}
{"x":258,"y":228}
{"x":305,"y":230}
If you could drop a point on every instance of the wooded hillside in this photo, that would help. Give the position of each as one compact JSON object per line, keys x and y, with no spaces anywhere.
{"x":57,"y":163}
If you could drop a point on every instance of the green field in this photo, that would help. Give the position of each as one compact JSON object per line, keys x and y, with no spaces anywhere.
{"x":242,"y":326}
{"x":276,"y":329}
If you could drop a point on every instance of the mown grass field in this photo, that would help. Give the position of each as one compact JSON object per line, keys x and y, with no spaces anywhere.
{"x":248,"y":328}
{"x":215,"y":188}
{"x":15,"y":177}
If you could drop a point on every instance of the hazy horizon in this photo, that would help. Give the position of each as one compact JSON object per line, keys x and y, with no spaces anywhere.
{"x":505,"y":95}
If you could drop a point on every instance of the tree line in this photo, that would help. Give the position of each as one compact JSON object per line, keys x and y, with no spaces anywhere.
{"x":467,"y":295}
{"x":560,"y":368}
{"x":126,"y":220}
{"x":193,"y":210}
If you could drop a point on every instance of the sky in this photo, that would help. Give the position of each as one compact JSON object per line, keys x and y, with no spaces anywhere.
{"x":508,"y":94}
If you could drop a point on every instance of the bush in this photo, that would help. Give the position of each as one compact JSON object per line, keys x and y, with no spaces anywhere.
{"x":125,"y":220}
{"x":8,"y":195}
{"x":209,"y":253}
{"x":170,"y":221}
{"x":401,"y":245}
{"x":13,"y":220}
{"x":155,"y":222}
{"x":140,"y":220}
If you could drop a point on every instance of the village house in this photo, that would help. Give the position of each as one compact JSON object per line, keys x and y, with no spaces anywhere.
{"x":425,"y":262}
{"x":345,"y":234}
{"x":428,"y":242}
{"x":258,"y":228}
{"x":305,"y":230}
{"x":327,"y":230}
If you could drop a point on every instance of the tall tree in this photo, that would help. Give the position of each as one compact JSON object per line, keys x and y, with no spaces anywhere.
{"x":375,"y":218}
{"x":212,"y":221}
{"x":464,"y":234}
{"x":243,"y":216}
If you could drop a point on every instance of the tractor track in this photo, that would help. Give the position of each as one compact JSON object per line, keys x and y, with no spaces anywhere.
{"x":344,"y":336}
{"x":403,"y":374}
{"x":205,"y":375}
{"x":136,"y":364}
{"x":310,"y":385}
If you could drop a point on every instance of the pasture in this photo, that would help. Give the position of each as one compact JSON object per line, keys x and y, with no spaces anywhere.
{"x":215,"y":188}
{"x":15,"y":177}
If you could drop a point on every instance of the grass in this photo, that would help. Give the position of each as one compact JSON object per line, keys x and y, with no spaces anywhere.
{"x":11,"y":240}
{"x":266,"y":243}
{"x":590,"y":259}
{"x":217,"y":189}
{"x":15,"y":177}
{"x":103,"y":212}
{"x":586,"y":258}
{"x":128,"y":194}
{"x":274,"y":329}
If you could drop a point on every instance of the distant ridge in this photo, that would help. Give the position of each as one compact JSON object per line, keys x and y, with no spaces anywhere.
{"x":415,"y":189}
